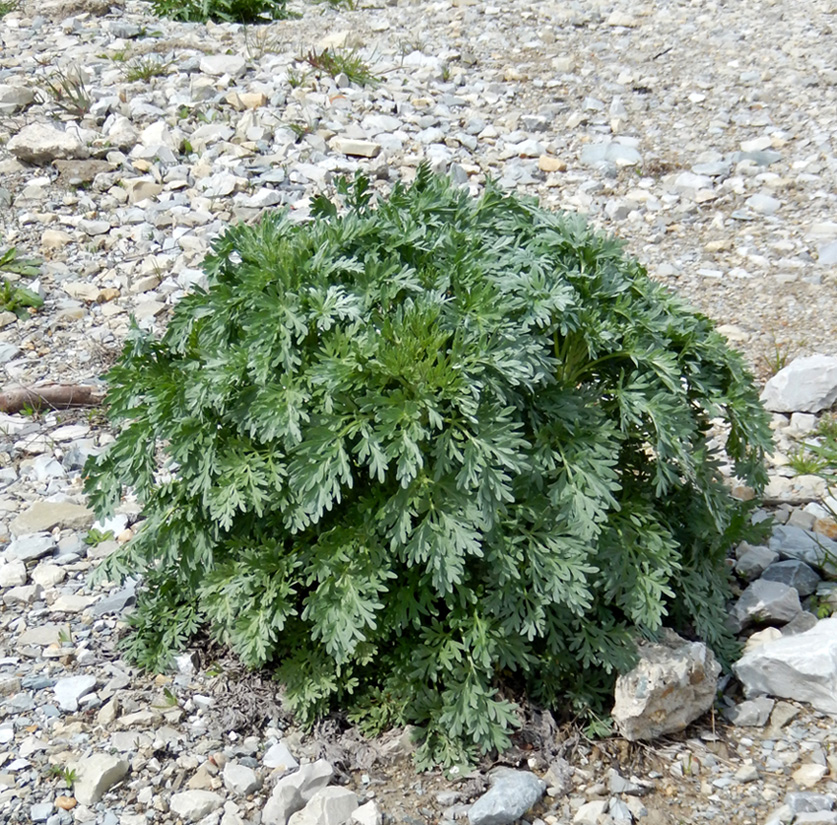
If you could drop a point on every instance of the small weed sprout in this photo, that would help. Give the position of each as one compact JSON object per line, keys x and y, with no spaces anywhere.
{"x":296,"y":78}
{"x":69,"y":775}
{"x":261,"y":40}
{"x":68,"y":90}
{"x":342,"y":61}
{"x":96,"y":537}
{"x":804,"y":462}
{"x":777,"y":357}
{"x":144,"y":68}
{"x":7,"y":6}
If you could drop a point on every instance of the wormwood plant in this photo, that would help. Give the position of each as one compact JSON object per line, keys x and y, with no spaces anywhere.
{"x":221,"y":11}
{"x":426,"y":454}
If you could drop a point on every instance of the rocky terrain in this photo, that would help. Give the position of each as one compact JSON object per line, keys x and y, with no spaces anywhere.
{"x":702,"y":133}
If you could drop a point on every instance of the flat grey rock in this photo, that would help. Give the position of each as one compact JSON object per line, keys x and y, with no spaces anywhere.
{"x":31,"y":547}
{"x":40,"y":144}
{"x":69,"y":690}
{"x":96,"y":774}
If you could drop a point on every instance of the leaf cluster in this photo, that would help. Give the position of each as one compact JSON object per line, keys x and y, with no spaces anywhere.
{"x":222,"y":11}
{"x":14,"y":297}
{"x":424,"y":452}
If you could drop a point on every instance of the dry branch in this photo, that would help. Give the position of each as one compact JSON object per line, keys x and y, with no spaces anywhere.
{"x":50,"y":396}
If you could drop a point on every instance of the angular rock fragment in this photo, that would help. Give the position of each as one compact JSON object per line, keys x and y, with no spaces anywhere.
{"x":673,"y":684}
{"x":765,"y":602}
{"x":801,"y":667}
{"x":96,"y":775}
{"x":805,"y":385}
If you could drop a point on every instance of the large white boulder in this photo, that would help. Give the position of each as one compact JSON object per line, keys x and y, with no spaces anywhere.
{"x":805,"y":385}
{"x":801,"y":667}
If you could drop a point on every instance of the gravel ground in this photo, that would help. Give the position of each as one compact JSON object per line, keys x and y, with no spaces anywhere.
{"x":702,"y":133}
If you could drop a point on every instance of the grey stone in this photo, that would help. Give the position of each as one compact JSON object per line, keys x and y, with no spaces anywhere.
{"x":8,"y":352}
{"x":41,"y":811}
{"x":240,"y":779}
{"x":800,"y":624}
{"x":801,"y":667}
{"x":807,"y":384}
{"x":672,"y":685}
{"x":816,"y":818}
{"x":23,"y":594}
{"x":42,"y":516}
{"x":619,"y":812}
{"x":70,"y":689}
{"x":278,"y":756}
{"x":41,"y":144}
{"x":195,"y":805}
{"x":511,"y":794}
{"x":44,"y":635}
{"x":751,"y":713}
{"x":294,"y":791}
{"x":117,"y":602}
{"x":765,"y":602}
{"x":795,"y":574}
{"x":598,"y":153}
{"x":329,"y":806}
{"x":712,"y":169}
{"x":616,"y":783}
{"x":96,"y":774}
{"x":808,"y":801}
{"x":754,"y":561}
{"x":356,"y":148}
{"x":813,"y":548}
{"x":29,"y":548}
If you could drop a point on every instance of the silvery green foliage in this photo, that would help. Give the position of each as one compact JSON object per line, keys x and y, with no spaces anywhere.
{"x":425,"y":453}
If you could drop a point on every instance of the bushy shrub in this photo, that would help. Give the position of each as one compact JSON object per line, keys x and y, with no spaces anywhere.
{"x":427,"y":454}
{"x":221,"y":11}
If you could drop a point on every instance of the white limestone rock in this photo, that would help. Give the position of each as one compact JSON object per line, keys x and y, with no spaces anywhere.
{"x":673,"y":684}
{"x":294,"y":791}
{"x":805,"y":385}
{"x":96,"y":775}
{"x":41,"y":144}
{"x":801,"y":667}
{"x":195,"y":805}
{"x":329,"y":806}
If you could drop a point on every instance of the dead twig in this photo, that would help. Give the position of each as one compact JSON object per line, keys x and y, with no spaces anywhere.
{"x":50,"y":396}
